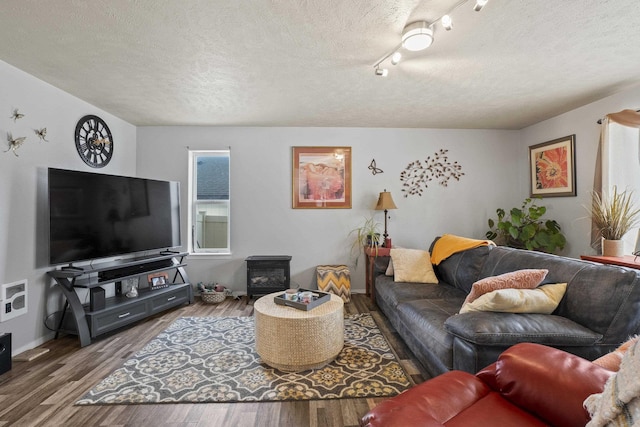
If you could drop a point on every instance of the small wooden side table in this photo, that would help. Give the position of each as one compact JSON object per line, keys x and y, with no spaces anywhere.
{"x":629,"y":261}
{"x":370,"y":255}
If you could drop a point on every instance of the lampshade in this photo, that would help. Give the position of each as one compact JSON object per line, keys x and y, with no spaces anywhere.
{"x":385,"y":201}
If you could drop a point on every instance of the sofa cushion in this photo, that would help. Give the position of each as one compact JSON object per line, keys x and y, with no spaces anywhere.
{"x":606,"y":299}
{"x":412,"y":266}
{"x":501,"y":329}
{"x":460,"y":270}
{"x":395,"y":293}
{"x":520,"y":279}
{"x":543,"y":299}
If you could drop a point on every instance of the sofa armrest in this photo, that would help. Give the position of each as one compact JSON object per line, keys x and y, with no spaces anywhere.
{"x":429,"y":404}
{"x":546,"y":381}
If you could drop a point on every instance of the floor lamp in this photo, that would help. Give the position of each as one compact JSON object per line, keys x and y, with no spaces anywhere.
{"x":385,"y":202}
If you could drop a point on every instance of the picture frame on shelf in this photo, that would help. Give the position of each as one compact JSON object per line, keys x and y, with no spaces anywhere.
{"x":321,"y":178}
{"x":552,"y":168}
{"x":158,"y":280}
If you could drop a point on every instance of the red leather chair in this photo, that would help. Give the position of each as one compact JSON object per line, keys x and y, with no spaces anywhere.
{"x":529,"y":385}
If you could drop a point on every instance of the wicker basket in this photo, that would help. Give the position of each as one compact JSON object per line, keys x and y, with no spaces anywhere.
{"x":212,"y":297}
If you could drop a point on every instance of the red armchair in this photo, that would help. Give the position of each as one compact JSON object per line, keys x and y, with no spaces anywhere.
{"x":529,"y":385}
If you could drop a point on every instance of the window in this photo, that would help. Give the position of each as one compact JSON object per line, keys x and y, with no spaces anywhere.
{"x":209,"y":202}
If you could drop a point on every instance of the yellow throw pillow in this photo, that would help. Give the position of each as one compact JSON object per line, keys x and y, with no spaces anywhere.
{"x":519,"y":279}
{"x":544,"y":299}
{"x":413,"y":266}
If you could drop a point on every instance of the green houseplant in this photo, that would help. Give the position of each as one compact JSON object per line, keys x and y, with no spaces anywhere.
{"x":367,"y":235}
{"x":524,"y":228}
{"x":613,"y":216}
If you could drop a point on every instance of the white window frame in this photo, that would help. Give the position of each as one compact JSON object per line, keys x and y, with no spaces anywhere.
{"x":193,"y":203}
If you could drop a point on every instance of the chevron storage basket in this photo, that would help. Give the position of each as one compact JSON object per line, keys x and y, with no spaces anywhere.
{"x":335,"y":279}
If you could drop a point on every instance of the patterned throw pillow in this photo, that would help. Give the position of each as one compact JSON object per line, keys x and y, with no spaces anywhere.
{"x":519,"y":279}
{"x":543,"y":299}
{"x":412,"y":266}
{"x":619,"y":403}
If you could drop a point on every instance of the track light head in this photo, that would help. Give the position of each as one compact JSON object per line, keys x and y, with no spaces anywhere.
{"x":417,"y":36}
{"x":382,"y":72}
{"x":395,"y":58}
{"x":479,"y":5}
{"x":447,"y":23}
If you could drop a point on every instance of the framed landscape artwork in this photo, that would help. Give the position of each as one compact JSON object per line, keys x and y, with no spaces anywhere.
{"x":321,"y":178}
{"x":553,"y":168}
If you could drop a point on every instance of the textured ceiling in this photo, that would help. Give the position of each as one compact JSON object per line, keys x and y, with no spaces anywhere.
{"x":309,"y":62}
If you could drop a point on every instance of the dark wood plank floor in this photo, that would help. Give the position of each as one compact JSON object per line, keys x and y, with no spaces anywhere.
{"x":42,"y":392}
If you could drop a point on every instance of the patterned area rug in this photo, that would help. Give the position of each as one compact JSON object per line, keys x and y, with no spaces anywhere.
{"x":213,"y":359}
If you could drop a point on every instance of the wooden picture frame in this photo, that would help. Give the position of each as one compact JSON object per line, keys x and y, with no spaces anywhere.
{"x":321,"y":178}
{"x":552,"y":167}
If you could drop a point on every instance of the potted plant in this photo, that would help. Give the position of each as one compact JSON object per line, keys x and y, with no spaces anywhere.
{"x":613,"y":216}
{"x":365,"y":236}
{"x":524,"y":228}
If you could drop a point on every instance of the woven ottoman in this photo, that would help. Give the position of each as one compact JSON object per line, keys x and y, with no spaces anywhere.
{"x":334,"y":279}
{"x":293,"y":340}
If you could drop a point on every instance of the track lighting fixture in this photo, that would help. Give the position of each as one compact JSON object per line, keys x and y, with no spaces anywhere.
{"x":479,"y":5}
{"x":418,"y":36}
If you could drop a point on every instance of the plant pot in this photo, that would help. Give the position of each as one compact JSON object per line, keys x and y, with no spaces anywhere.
{"x":373,"y":240}
{"x":613,"y":248}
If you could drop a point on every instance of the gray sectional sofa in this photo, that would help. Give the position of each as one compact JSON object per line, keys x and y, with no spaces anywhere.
{"x":600,"y":309}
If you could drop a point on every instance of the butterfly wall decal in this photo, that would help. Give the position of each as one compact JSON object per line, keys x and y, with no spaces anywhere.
{"x":374,"y":169}
{"x":16,"y":115}
{"x":42,"y":134}
{"x":14,"y":143}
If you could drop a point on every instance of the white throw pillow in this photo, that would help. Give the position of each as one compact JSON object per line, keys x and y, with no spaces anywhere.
{"x":543,"y":299}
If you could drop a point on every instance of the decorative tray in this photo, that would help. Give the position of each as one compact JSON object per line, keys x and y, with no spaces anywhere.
{"x":318,"y":298}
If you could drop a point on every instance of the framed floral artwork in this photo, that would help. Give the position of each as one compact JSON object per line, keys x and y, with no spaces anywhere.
{"x":553,"y":168}
{"x":321,"y":178}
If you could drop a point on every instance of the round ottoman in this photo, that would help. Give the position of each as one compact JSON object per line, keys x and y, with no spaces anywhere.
{"x":290,"y":340}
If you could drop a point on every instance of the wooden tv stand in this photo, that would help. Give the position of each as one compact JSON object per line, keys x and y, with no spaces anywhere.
{"x":119,"y":310}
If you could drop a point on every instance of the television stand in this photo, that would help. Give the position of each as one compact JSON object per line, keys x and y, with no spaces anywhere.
{"x":119,"y":310}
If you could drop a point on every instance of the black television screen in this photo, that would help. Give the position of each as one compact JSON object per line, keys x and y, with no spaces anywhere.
{"x":94,"y":215}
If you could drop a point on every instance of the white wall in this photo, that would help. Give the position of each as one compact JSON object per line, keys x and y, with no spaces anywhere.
{"x":263,"y":221}
{"x":23,"y":216}
{"x":570,"y":212}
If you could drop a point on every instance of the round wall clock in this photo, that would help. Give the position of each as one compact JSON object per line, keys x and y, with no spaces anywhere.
{"x":94,"y":141}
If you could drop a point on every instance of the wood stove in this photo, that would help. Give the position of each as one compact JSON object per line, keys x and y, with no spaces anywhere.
{"x":267,"y":274}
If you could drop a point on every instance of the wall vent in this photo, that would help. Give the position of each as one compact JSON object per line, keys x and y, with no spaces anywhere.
{"x":13,"y":300}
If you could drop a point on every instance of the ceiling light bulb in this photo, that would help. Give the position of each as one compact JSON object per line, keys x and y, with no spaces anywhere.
{"x":447,"y":23}
{"x":395,"y":58}
{"x":382,"y":72}
{"x":417,"y":36}
{"x":479,"y":5}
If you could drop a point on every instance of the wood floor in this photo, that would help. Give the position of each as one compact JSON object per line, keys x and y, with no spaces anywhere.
{"x":42,"y":392}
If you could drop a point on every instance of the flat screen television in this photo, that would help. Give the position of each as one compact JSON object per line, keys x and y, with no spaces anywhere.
{"x":94,"y":215}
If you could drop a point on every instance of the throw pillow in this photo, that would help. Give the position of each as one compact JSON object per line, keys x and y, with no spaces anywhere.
{"x":389,"y":271}
{"x":543,"y":299}
{"x":519,"y":279}
{"x":413,"y":266}
{"x":611,"y":361}
{"x":619,"y":403}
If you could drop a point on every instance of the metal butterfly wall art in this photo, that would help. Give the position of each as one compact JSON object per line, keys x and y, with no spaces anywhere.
{"x":374,"y":169}
{"x":16,"y":115}
{"x":14,"y":143}
{"x":42,"y":134}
